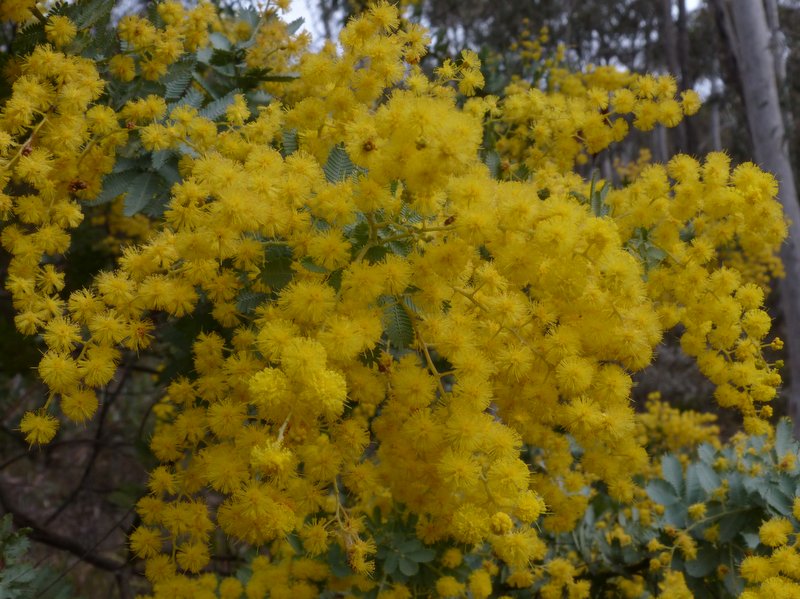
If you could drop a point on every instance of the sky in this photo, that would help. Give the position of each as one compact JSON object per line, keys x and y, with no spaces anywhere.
{"x":303,"y":9}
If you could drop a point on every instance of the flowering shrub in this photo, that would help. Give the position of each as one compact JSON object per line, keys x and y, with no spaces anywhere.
{"x":414,"y":324}
{"x":720,"y":520}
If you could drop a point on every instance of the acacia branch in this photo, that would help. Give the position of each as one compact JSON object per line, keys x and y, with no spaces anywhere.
{"x":54,"y":539}
{"x":95,"y":448}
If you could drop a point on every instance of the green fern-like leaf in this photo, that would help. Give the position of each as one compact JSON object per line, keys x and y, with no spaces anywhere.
{"x":398,"y":326}
{"x":27,"y":38}
{"x":215,"y":109}
{"x":144,"y":188}
{"x":247,"y":301}
{"x":178,"y":79}
{"x":90,"y":13}
{"x":278,"y":271}
{"x":289,"y":143}
{"x":339,"y":166}
{"x":114,"y":185}
{"x":492,"y":160}
{"x":193,"y":97}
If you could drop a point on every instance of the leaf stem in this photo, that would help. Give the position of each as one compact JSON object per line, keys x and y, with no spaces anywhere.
{"x":424,"y":347}
{"x":38,"y":14}
{"x":199,"y":80}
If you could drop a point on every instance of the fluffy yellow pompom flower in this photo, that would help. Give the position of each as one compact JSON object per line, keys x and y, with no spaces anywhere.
{"x":519,"y":548}
{"x":79,"y":405}
{"x":122,"y":67}
{"x":193,"y":557}
{"x":315,"y":537}
{"x":271,"y":459}
{"x":674,"y":586}
{"x":60,"y":30}
{"x":697,"y":511}
{"x":16,"y":10}
{"x":39,"y":428}
{"x":459,"y":470}
{"x":529,"y":507}
{"x":480,"y":584}
{"x":308,"y":302}
{"x":61,"y":335}
{"x":452,"y":558}
{"x":448,"y":586}
{"x":358,"y":554}
{"x":775,"y":532}
{"x":59,"y":371}
{"x":501,"y":523}
{"x":574,"y":375}
{"x":145,"y":542}
{"x":690,"y":102}
{"x":230,"y":588}
{"x":526,"y":301}
{"x":470,"y":524}
{"x":756,"y":568}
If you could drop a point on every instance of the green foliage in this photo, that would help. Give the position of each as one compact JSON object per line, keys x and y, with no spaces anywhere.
{"x":401,"y":554}
{"x":338,"y":167}
{"x":19,"y":577}
{"x":741,"y":485}
{"x":643,"y":248}
{"x":597,"y":197}
{"x":399,"y":327}
{"x":216,"y":108}
{"x":207,"y":79}
{"x":289,"y":143}
{"x":225,"y":68}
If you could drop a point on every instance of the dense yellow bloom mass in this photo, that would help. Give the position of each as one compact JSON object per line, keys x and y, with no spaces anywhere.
{"x":418,"y":324}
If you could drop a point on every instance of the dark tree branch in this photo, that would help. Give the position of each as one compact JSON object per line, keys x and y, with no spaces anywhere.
{"x":95,"y":448}
{"x":59,"y":541}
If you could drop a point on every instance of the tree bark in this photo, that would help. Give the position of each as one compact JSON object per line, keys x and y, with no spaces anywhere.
{"x":777,"y":41}
{"x":676,"y":139}
{"x":715,"y":101}
{"x":757,"y":72}
{"x":780,"y":57}
{"x":685,"y":81}
{"x":729,"y":55}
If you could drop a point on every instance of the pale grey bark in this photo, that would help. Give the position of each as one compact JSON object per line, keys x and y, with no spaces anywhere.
{"x":661,"y":148}
{"x":757,"y":70}
{"x":780,"y":50}
{"x":716,"y":95}
{"x":676,"y":140}
{"x":780,"y":58}
{"x":685,"y":81}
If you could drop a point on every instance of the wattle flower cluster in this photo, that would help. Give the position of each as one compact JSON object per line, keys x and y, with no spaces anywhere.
{"x":388,"y":329}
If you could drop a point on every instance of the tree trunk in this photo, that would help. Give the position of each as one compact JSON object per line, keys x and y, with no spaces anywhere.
{"x":661,"y":151}
{"x":777,"y":41}
{"x":685,"y":81}
{"x":715,"y":100}
{"x":765,"y":120}
{"x":780,"y":57}
{"x":729,"y":47}
{"x":676,"y":135}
